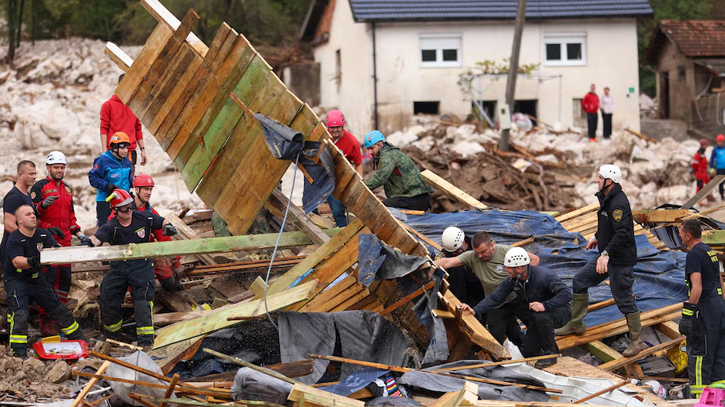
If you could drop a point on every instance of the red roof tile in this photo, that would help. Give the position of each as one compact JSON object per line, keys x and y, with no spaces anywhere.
{"x":696,"y":38}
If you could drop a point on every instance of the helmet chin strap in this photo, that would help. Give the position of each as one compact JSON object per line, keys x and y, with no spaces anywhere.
{"x":605,"y":185}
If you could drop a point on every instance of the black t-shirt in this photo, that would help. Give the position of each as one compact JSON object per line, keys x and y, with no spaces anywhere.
{"x":142,"y":223}
{"x":702,"y":259}
{"x":26,"y":246}
{"x":13,"y":200}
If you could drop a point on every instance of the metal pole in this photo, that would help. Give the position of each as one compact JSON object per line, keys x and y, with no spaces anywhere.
{"x":375,"y":80}
{"x":513,"y":70}
{"x":559,"y":81}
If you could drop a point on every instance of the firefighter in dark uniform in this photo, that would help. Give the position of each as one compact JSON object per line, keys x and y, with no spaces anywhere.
{"x":53,"y":200}
{"x":129,"y":226}
{"x":703,"y":314}
{"x":25,"y":282}
{"x":617,"y":257}
{"x":547,"y":298}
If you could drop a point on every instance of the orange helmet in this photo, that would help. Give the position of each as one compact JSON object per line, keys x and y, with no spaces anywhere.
{"x":119,"y":137}
{"x":118,"y":198}
{"x":143,"y":180}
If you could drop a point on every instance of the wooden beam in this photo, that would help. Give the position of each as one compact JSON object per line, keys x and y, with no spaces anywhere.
{"x":87,"y":388}
{"x":704,"y":191}
{"x":278,"y":202}
{"x":302,"y":393}
{"x":615,"y":364}
{"x":642,"y":136}
{"x":451,"y":191}
{"x":76,"y":254}
{"x":162,"y":15}
{"x":217,"y":319}
{"x":422,"y":237}
{"x":244,"y":363}
{"x":407,"y":298}
{"x":120,"y":58}
{"x":660,"y":215}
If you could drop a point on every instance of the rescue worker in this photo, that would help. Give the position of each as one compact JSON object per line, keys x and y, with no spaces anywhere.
{"x":717,"y":161}
{"x":703,"y":314}
{"x":167,"y":275}
{"x":699,"y":165}
{"x":129,"y":226}
{"x":25,"y":282}
{"x":18,"y":195}
{"x":117,"y":117}
{"x":487,"y":263}
{"x":463,"y":283}
{"x":617,"y":256}
{"x":547,"y":298}
{"x":53,"y":200}
{"x":350,"y":147}
{"x":403,"y":184}
{"x":111,"y":170}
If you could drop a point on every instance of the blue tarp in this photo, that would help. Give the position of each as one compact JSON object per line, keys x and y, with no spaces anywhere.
{"x":659,"y":276}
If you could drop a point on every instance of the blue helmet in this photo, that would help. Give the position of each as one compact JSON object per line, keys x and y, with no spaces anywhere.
{"x":373,"y":137}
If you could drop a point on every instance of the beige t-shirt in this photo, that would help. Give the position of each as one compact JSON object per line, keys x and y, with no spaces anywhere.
{"x":491,"y":273}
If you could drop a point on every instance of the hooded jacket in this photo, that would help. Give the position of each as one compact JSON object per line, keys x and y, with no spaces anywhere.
{"x":115,"y":117}
{"x":615,"y":231}
{"x":397,"y":174}
{"x":107,"y":168}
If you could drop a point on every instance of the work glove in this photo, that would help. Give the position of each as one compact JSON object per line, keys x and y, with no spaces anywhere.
{"x":56,"y":232}
{"x":169,"y":230}
{"x":85,"y":241}
{"x":689,"y":313}
{"x":48,"y":201}
{"x":110,"y":187}
{"x":177,"y":268}
{"x":34,"y":262}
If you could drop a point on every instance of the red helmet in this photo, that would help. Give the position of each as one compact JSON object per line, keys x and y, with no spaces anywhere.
{"x":119,"y":197}
{"x":335,"y":118}
{"x":143,"y":180}
{"x":720,"y":138}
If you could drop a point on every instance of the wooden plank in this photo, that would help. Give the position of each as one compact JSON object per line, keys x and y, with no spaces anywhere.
{"x":442,"y":314}
{"x":257,"y":286}
{"x":352,"y":300}
{"x":134,"y":251}
{"x":668,"y":329}
{"x":140,"y":66}
{"x":715,"y":181}
{"x":217,"y":319}
{"x":187,"y":233}
{"x":120,"y":58}
{"x":660,"y":215}
{"x":298,"y":217}
{"x":87,"y":388}
{"x":451,"y":191}
{"x":422,"y":237}
{"x":415,"y":294}
{"x":302,"y":392}
{"x":164,"y":16}
{"x":615,"y":364}
{"x":315,"y":258}
{"x":576,"y":213}
{"x":321,"y":301}
{"x":475,"y":331}
{"x":603,"y":391}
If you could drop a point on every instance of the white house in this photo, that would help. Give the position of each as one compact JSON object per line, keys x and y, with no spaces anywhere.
{"x":382,"y":61}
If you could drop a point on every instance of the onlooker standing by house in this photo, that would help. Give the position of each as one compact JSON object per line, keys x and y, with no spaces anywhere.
{"x":590,"y":104}
{"x":699,"y":165}
{"x":717,"y":160}
{"x":117,"y":117}
{"x":607,"y":110}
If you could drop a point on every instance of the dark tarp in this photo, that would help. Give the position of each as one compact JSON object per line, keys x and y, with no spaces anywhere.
{"x":363,"y":335}
{"x":250,"y":384}
{"x":659,"y":276}
{"x":380,"y":261}
{"x":355,"y":381}
{"x":437,"y":350}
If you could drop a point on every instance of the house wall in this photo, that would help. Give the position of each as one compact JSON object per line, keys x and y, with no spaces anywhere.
{"x":681,"y":88}
{"x":611,"y":60}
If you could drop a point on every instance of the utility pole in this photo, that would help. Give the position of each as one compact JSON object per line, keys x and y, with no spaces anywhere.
{"x":503,"y":143}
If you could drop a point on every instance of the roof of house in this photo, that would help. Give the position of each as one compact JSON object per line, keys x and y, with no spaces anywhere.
{"x":468,"y":10}
{"x":693,"y":38}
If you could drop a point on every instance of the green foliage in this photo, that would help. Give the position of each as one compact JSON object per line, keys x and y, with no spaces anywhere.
{"x":665,"y":10}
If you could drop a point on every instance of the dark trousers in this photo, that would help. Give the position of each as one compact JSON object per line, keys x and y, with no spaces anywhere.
{"x":143,"y":287}
{"x":465,"y":285}
{"x":502,"y":321}
{"x":621,"y":280}
{"x":607,"y":124}
{"x":592,"y":124}
{"x":20,"y":295}
{"x":103,"y":211}
{"x":540,"y":337}
{"x":722,"y":184}
{"x":416,"y":203}
{"x":706,"y":352}
{"x":338,"y":211}
{"x":59,"y":277}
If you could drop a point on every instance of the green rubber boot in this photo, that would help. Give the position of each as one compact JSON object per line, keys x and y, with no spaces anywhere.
{"x":576,"y":326}
{"x":635,"y":329}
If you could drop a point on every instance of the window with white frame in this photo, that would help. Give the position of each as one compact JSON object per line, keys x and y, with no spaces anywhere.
{"x":440,"y":50}
{"x":565,"y":49}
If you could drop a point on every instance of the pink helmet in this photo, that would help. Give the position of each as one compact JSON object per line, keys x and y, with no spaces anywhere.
{"x":335,"y":118}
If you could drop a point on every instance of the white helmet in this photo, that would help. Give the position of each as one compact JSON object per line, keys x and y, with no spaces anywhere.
{"x":452,"y":238}
{"x":55,"y":157}
{"x":516,"y":257}
{"x":612,"y":172}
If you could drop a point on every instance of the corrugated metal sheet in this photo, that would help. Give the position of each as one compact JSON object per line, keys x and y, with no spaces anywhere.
{"x":436,"y":10}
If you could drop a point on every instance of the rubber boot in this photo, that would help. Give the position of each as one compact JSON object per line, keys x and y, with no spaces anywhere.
{"x":635,"y":329}
{"x":576,"y":326}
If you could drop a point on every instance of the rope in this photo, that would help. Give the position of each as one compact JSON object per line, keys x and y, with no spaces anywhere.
{"x":276,"y":245}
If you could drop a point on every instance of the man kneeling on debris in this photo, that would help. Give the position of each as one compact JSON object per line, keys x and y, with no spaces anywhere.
{"x":703,"y":314}
{"x":548,"y":299}
{"x":25,"y":282}
{"x":397,"y":173}
{"x":129,"y":226}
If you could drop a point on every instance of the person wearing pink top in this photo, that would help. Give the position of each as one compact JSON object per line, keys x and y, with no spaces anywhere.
{"x":607,"y":108}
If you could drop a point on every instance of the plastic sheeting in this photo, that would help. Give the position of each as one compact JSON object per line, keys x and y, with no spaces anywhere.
{"x":380,"y":261}
{"x":659,"y":276}
{"x":122,"y":390}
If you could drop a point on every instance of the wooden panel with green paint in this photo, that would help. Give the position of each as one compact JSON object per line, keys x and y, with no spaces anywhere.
{"x":143,"y":61}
